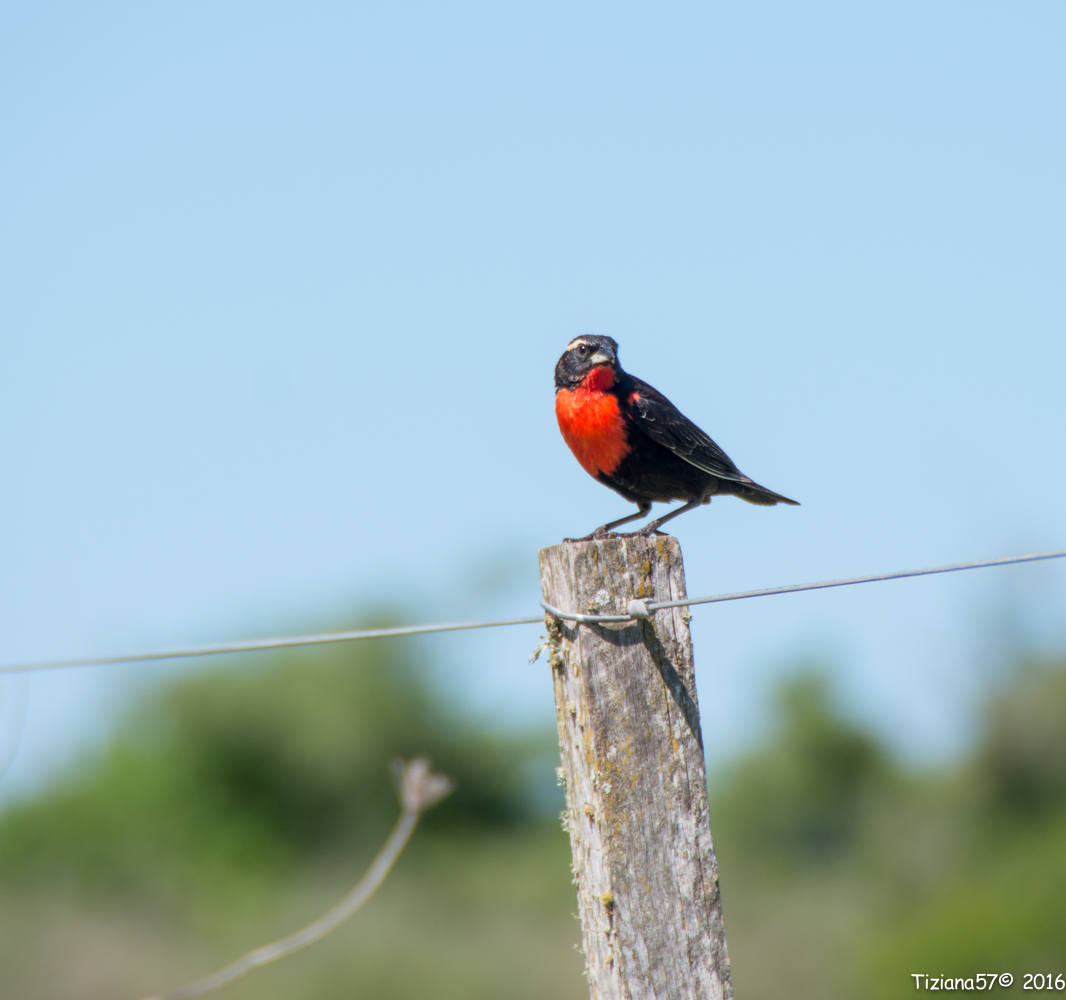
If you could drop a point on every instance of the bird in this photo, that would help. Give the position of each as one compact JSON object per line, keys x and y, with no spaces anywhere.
{"x":630,"y":437}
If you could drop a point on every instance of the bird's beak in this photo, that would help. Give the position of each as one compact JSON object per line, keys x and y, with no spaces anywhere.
{"x":602,"y":358}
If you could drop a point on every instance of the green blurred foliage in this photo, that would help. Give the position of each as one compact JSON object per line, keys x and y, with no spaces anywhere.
{"x":1021,"y":759}
{"x":843,"y":873}
{"x":1002,"y":905}
{"x":255,"y":768}
{"x":1005,"y":912}
{"x":237,"y":804}
{"x":803,"y":796}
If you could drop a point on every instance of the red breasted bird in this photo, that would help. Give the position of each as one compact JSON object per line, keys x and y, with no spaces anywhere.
{"x":632,"y":438}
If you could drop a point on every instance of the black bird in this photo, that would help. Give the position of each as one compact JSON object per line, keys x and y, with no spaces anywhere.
{"x":630,"y":437}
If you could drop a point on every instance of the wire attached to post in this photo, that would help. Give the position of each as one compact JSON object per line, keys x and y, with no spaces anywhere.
{"x":644,"y":609}
{"x":636,"y":609}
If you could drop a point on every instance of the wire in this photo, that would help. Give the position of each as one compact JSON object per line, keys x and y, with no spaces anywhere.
{"x":635,"y":609}
{"x":645,"y":609}
{"x":252,"y":645}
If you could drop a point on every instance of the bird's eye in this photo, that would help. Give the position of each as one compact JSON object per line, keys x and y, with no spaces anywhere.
{"x":582,"y":349}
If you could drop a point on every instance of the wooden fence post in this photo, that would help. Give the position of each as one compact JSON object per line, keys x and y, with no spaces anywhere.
{"x":636,"y":787}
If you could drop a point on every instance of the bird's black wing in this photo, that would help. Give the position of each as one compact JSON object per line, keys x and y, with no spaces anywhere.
{"x":665,"y":424}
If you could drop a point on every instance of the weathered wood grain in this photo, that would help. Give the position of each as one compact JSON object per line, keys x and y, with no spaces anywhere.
{"x":632,"y":762}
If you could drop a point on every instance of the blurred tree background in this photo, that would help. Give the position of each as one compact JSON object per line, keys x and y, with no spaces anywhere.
{"x":238,"y":803}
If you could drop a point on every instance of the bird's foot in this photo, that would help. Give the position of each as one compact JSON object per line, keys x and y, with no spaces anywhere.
{"x":596,"y":536}
{"x":639,"y":533}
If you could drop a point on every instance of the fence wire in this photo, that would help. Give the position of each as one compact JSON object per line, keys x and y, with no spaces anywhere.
{"x":635,"y":609}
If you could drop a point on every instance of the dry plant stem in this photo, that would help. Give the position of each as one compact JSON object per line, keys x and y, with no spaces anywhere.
{"x":632,"y":761}
{"x":320,"y":928}
{"x":419,"y":791}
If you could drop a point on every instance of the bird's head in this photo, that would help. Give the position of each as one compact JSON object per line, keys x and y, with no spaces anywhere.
{"x":590,"y":360}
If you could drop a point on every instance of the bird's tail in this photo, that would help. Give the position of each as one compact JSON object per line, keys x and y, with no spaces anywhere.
{"x":754,"y":493}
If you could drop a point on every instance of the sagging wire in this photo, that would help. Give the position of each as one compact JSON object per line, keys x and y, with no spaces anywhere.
{"x":253,"y":645}
{"x":635,"y":610}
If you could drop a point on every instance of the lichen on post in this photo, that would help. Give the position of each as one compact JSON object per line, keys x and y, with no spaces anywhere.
{"x":632,"y":763}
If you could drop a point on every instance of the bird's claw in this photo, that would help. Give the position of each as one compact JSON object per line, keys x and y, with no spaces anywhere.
{"x":598,"y":535}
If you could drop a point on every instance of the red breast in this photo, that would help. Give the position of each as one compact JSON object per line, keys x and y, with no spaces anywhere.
{"x":592,"y":423}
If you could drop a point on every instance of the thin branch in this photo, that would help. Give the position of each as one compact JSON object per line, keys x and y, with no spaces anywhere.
{"x":419,"y":790}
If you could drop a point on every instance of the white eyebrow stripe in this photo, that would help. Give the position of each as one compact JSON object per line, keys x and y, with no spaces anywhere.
{"x":576,"y":341}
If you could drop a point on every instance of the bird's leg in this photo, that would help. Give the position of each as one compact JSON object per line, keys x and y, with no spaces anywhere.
{"x":605,"y":529}
{"x":653,"y":526}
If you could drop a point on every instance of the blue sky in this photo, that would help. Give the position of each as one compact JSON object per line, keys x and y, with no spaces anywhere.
{"x":282,"y":287}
